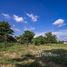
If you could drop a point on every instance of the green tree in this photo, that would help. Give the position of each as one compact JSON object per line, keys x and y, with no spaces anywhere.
{"x":19,"y":39}
{"x":5,"y":31}
{"x":39,"y":40}
{"x":27,"y":37}
{"x":50,"y":38}
{"x":11,"y":39}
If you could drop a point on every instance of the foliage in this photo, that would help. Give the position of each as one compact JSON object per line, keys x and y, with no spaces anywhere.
{"x":26,"y":37}
{"x":60,"y":42}
{"x":5,"y":31}
{"x":50,"y":38}
{"x":39,"y":40}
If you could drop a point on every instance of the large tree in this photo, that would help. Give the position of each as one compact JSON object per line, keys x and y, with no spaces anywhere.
{"x":27,"y":37}
{"x":50,"y":38}
{"x":5,"y":30}
{"x":39,"y":40}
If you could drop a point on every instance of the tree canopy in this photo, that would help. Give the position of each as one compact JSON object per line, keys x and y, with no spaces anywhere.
{"x":39,"y":40}
{"x":27,"y":36}
{"x":50,"y":38}
{"x":5,"y":31}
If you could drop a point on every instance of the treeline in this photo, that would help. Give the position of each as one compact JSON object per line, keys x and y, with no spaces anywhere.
{"x":6,"y":35}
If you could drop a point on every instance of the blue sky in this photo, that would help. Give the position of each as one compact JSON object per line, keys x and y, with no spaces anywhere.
{"x":40,"y":16}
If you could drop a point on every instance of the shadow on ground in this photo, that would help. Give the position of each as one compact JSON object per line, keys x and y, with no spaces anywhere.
{"x":48,"y":58}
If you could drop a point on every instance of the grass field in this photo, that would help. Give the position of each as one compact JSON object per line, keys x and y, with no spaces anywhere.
{"x":19,"y":54}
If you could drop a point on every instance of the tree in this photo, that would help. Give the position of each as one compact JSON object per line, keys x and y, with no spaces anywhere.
{"x":19,"y":39}
{"x":50,"y":38}
{"x":39,"y":40}
{"x":11,"y":39}
{"x":5,"y":30}
{"x":27,"y":37}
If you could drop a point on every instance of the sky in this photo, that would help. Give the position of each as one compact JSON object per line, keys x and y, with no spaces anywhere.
{"x":39,"y":16}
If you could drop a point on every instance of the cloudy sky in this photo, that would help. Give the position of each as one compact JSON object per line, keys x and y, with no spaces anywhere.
{"x":39,"y":16}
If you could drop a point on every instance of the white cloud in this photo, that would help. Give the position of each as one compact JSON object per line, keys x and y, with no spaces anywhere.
{"x":62,"y":34}
{"x":29,"y":28}
{"x":13,"y":25}
{"x":5,"y":15}
{"x":17,"y":30}
{"x":59,"y":22}
{"x":18,"y":19}
{"x":39,"y":34}
{"x":33,"y":17}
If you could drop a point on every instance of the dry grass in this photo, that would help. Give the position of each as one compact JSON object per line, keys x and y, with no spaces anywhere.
{"x":17,"y":51}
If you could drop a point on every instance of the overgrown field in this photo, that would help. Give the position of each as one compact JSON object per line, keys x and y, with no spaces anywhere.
{"x":19,"y":55}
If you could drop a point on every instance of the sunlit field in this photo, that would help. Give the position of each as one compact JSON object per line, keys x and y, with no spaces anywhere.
{"x":19,"y":55}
